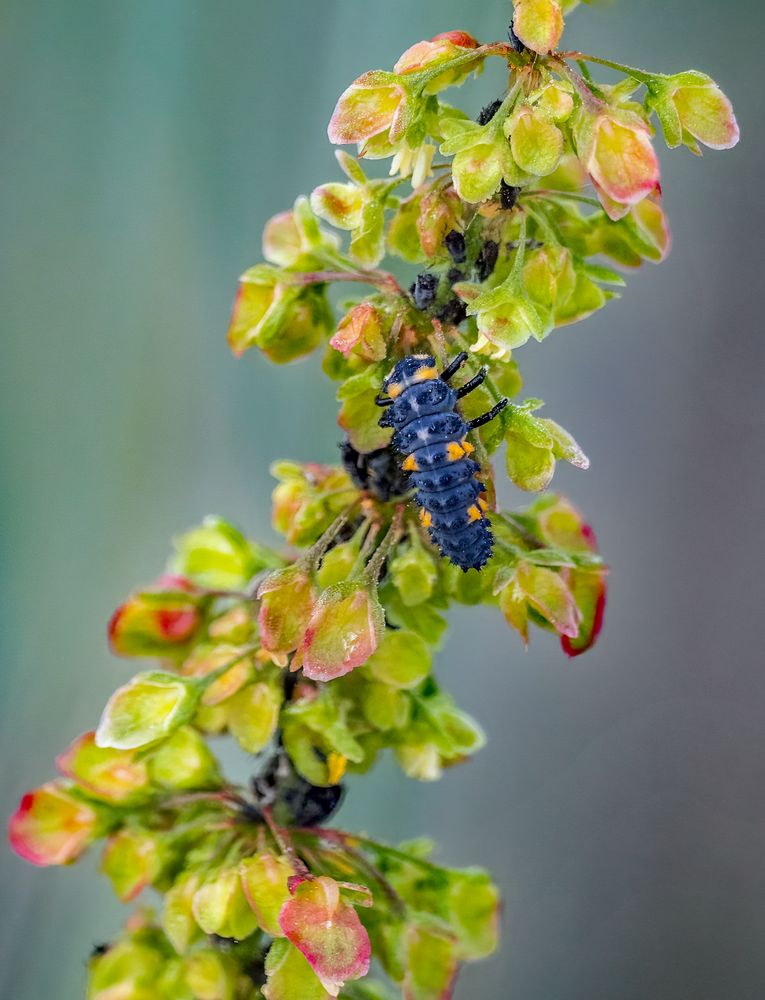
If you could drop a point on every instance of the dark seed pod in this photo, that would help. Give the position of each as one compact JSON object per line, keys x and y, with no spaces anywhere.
{"x":378,"y":472}
{"x":487,"y":259}
{"x":453,"y":312}
{"x":515,"y":41}
{"x":508,"y":195}
{"x":454,"y":241}
{"x":424,"y":290}
{"x":486,"y":114}
{"x":294,"y":801}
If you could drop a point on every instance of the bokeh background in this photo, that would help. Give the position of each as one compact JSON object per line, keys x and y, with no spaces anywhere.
{"x":620,"y":799}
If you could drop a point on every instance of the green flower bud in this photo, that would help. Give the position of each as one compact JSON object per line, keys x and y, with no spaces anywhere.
{"x":692,"y":107}
{"x":184,"y":761}
{"x":177,"y":914}
{"x":290,"y":977}
{"x":535,"y":140}
{"x":287,"y":599}
{"x":431,"y":962}
{"x":112,"y":775}
{"x":132,"y":860}
{"x":220,"y":907}
{"x":210,"y":975}
{"x":474,"y":904}
{"x":252,"y":715}
{"x":218,"y":556}
{"x":414,"y":573}
{"x":385,"y":707}
{"x":402,"y":660}
{"x":308,"y":499}
{"x":265,"y":880}
{"x":538,"y":24}
{"x":148,"y":708}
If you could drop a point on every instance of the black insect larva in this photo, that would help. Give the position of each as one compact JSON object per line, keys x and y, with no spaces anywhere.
{"x":432,"y":434}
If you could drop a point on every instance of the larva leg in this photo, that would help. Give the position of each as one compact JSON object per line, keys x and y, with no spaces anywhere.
{"x":454,"y":366}
{"x":486,"y":417}
{"x":472,"y":384}
{"x":384,"y":401}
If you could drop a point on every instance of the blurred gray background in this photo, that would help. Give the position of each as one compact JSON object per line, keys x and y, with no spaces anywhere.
{"x":620,"y":799}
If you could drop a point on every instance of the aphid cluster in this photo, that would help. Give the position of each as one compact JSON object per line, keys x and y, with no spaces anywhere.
{"x":432,"y":434}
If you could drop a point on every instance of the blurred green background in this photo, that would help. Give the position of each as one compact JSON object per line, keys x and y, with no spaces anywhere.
{"x":620,"y":799}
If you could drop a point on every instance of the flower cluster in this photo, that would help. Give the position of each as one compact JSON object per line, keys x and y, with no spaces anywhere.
{"x":318,"y":658}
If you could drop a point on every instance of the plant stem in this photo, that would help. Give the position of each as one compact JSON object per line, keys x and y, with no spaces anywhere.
{"x":638,"y":74}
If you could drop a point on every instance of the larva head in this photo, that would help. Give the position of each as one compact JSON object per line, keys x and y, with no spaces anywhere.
{"x":409,"y":371}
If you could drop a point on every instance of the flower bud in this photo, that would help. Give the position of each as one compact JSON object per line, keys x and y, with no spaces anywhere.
{"x":478,"y":170}
{"x":51,"y":826}
{"x":287,"y":598}
{"x":360,"y":334}
{"x":160,"y":621}
{"x":343,"y":631}
{"x":441,"y":49}
{"x":265,"y":880}
{"x":210,"y":975}
{"x":177,"y":916}
{"x":132,"y":860}
{"x":419,"y":760}
{"x":385,"y":707}
{"x":253,"y":714}
{"x":535,"y":140}
{"x":693,"y":103}
{"x":549,"y":276}
{"x":285,"y":321}
{"x":112,"y":775}
{"x":402,"y":660}
{"x":290,"y":977}
{"x":217,"y":555}
{"x":327,"y":930}
{"x":146,"y":709}
{"x":431,"y":962}
{"x":538,"y":24}
{"x":441,"y":211}
{"x":616,"y":151}
{"x":414,"y":574}
{"x":555,"y":100}
{"x":337,"y":564}
{"x":129,"y":970}
{"x":474,"y":905}
{"x":547,"y":593}
{"x":220,"y":907}
{"x":184,"y":761}
{"x":373,"y":103}
{"x":308,"y":499}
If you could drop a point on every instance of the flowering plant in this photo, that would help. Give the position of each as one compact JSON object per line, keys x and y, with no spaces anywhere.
{"x":317,"y":658}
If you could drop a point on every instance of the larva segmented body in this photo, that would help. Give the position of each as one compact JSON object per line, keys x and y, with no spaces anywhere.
{"x":432,"y":435}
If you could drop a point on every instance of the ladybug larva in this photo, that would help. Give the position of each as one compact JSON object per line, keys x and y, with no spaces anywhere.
{"x":432,"y":435}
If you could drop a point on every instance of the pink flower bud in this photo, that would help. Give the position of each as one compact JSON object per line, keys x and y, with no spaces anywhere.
{"x":620,"y":160}
{"x":441,"y":49}
{"x":158,"y":621}
{"x":113,"y":775}
{"x":360,"y":332}
{"x":327,"y":930}
{"x":372,"y":104}
{"x":51,"y":826}
{"x":287,"y":598}
{"x":702,"y":109}
{"x":538,"y":24}
{"x":344,"y":630}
